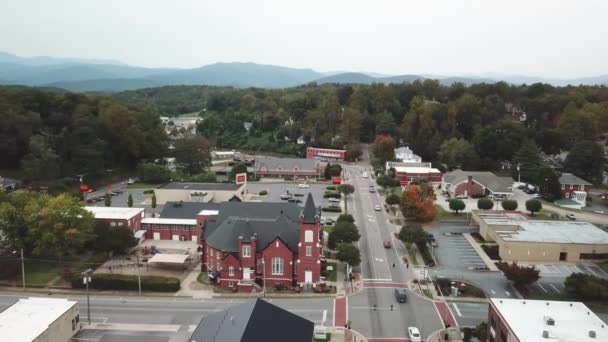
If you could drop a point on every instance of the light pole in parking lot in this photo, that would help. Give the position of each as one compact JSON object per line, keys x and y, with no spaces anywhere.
{"x":518,"y":174}
{"x":87,"y":279}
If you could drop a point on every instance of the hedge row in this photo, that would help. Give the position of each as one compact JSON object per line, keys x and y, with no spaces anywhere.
{"x":332,"y":194}
{"x":426,"y":254}
{"x":106,"y":281}
{"x":332,"y":209}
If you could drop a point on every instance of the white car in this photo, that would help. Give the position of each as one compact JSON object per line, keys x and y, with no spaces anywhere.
{"x":571,"y":216}
{"x":535,"y":195}
{"x":414,"y":334}
{"x":377,"y":207}
{"x":303,"y":186}
{"x":333,"y":200}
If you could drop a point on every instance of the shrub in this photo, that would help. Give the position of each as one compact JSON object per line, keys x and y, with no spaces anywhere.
{"x":509,"y":205}
{"x":533,"y":206}
{"x":263,"y":193}
{"x":332,"y":194}
{"x":148,"y":192}
{"x":332,"y":209}
{"x":105,"y":281}
{"x":586,"y":287}
{"x":491,"y":251}
{"x":457,"y":205}
{"x":426,"y":254}
{"x":331,"y":187}
{"x":485,"y":204}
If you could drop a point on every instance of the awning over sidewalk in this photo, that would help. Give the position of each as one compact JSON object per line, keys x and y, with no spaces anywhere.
{"x":175,"y":259}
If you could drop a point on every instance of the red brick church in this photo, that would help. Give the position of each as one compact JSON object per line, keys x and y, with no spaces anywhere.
{"x":246,"y":245}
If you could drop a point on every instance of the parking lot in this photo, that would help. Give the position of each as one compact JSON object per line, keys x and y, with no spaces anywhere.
{"x":564,"y":270}
{"x":454,"y":251}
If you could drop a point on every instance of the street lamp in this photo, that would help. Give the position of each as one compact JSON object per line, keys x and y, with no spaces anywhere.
{"x":518,"y":174}
{"x":22,"y":269}
{"x":263,"y":277}
{"x":87,"y":279}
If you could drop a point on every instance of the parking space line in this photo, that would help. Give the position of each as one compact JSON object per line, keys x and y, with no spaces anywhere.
{"x":590,"y":270}
{"x":555,"y":288}
{"x":539,"y":285}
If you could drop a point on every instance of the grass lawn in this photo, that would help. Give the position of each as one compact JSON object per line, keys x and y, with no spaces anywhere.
{"x":411,"y":255}
{"x":443,"y":215}
{"x":143,"y":186}
{"x":40,"y":272}
{"x":542,"y":215}
{"x":328,"y":229}
{"x":333,"y":275}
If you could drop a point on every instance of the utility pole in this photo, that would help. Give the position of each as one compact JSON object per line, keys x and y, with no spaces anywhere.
{"x":263,"y":278}
{"x":87,"y":280}
{"x":138,"y":274}
{"x":22,"y":270}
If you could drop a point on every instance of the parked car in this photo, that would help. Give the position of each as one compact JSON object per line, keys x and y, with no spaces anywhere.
{"x":434,"y":243}
{"x":364,"y":175}
{"x":91,"y":200}
{"x":372,"y":189}
{"x":462,"y":197}
{"x":401,"y":295}
{"x":430,"y":237}
{"x":414,"y":334}
{"x":535,"y":195}
{"x":303,"y":186}
{"x":571,"y":216}
{"x":333,"y":200}
{"x":377,"y":207}
{"x":131,"y":181}
{"x":329,"y":221}
{"x":285,"y":196}
{"x":322,"y":221}
{"x":387,"y":244}
{"x":334,"y":205}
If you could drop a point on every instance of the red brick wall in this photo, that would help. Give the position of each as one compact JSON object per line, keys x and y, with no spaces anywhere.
{"x":496,"y":323}
{"x":278,"y":249}
{"x":167,"y":234}
{"x":311,"y":152}
{"x":569,"y":189}
{"x":313,"y":262}
{"x":405,"y":176}
{"x":470,"y":187}
{"x":225,"y":277}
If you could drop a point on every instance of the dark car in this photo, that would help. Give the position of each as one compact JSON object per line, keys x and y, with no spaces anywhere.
{"x":401,"y":295}
{"x":430,"y":237}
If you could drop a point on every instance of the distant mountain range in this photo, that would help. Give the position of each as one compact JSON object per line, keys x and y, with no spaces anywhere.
{"x":84,"y":75}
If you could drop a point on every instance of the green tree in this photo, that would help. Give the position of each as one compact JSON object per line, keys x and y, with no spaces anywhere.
{"x":130,"y":200}
{"x":335,"y":170}
{"x":575,"y":124}
{"x":499,"y":141}
{"x":41,"y":162}
{"x":485,"y":204}
{"x":457,"y":205}
{"x":107,"y":201}
{"x":58,"y":225}
{"x":349,"y":254}
{"x":386,"y":181}
{"x":192,"y":154}
{"x":113,"y":239}
{"x":533,"y":206}
{"x":586,"y":160}
{"x":412,"y":234}
{"x":343,"y":232}
{"x":385,"y":124}
{"x":346,"y":189}
{"x":353,"y":151}
{"x":326,"y":173}
{"x":154,"y":200}
{"x":384,"y":148}
{"x":521,"y":276}
{"x":13,"y":223}
{"x":345,"y":218}
{"x":509,"y":205}
{"x":154,"y":173}
{"x":392,"y":199}
{"x":236,"y":169}
{"x":459,"y":153}
{"x":529,"y":161}
{"x":550,"y":187}
{"x":586,"y":287}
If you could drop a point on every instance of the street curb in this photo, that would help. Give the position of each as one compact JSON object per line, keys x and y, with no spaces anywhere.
{"x":51,"y":292}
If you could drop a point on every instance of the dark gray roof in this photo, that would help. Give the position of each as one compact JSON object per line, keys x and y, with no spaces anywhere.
{"x":487,"y":179}
{"x":186,"y":210}
{"x":253,"y":321}
{"x":285,"y":163}
{"x":225,"y":234}
{"x":8,"y":183}
{"x":201,"y":186}
{"x":309,"y":213}
{"x":568,"y":178}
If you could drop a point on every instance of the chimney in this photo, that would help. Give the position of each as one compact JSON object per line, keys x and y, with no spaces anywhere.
{"x":470,"y":178}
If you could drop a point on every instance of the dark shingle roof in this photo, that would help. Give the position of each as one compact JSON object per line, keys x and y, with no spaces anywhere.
{"x":309,"y":213}
{"x":487,"y":179}
{"x":201,"y":186}
{"x":570,"y":179}
{"x":253,"y":321}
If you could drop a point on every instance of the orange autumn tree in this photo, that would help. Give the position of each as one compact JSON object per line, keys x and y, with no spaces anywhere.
{"x":384,"y":148}
{"x":418,"y":203}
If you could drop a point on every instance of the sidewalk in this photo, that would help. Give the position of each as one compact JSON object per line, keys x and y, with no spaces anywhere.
{"x":191,"y":287}
{"x":438,"y":336}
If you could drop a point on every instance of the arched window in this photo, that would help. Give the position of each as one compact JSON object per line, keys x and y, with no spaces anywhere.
{"x":308,"y":236}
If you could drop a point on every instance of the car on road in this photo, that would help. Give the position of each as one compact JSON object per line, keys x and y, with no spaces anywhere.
{"x":430,"y":237}
{"x":91,"y":200}
{"x":303,"y":186}
{"x":372,"y":189}
{"x":377,"y":207}
{"x":571,"y":216}
{"x":401,"y":295}
{"x":435,"y":244}
{"x":285,"y":196}
{"x":387,"y":244}
{"x":364,"y":175}
{"x":333,"y":200}
{"x":414,"y":334}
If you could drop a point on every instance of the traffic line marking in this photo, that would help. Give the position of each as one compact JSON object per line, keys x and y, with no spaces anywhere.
{"x":539,"y":285}
{"x":555,"y":288}
{"x":457,"y":310}
{"x":590,"y":270}
{"x":493,"y":292}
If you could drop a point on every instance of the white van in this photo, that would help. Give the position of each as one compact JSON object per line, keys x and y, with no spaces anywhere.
{"x":364,"y":175}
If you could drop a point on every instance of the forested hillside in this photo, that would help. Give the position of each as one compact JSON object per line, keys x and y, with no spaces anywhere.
{"x":52,"y":135}
{"x":479,"y":125}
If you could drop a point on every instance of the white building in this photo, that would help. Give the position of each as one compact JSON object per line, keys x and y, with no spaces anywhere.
{"x":406,"y":155}
{"x":540,"y":320}
{"x":40,"y":320}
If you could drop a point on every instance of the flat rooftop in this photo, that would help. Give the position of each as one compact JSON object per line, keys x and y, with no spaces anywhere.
{"x":158,"y":220}
{"x":414,"y":169}
{"x":28,"y":318}
{"x":573,"y":321}
{"x":201,"y":186}
{"x":549,"y":231}
{"x":114,"y":213}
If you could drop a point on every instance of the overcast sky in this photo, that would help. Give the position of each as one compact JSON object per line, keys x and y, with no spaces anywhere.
{"x":550,"y":38}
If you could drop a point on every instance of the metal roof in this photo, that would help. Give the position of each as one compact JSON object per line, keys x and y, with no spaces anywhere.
{"x":114,"y":213}
{"x":201,"y":186}
{"x":568,"y":178}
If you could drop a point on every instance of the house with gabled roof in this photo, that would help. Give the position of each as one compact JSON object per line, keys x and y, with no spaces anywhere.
{"x":476,"y":183}
{"x":287,"y":167}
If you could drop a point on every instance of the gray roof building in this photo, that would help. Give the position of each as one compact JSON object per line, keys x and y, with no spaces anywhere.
{"x":253,"y":321}
{"x":570,"y":179}
{"x":491,"y":181}
{"x":7,"y":183}
{"x":268,"y":166}
{"x":201,"y":186}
